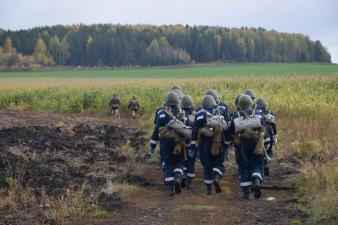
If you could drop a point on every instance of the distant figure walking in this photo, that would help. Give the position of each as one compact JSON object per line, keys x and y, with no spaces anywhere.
{"x":115,"y":106}
{"x":133,"y":106}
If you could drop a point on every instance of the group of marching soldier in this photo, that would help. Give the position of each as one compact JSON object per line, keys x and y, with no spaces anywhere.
{"x":184,"y":132}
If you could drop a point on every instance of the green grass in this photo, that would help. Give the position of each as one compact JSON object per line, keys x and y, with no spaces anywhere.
{"x":198,"y":207}
{"x":199,"y":70}
{"x":102,"y":214}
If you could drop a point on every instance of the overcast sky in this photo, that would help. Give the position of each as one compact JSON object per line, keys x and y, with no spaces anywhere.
{"x":316,"y":18}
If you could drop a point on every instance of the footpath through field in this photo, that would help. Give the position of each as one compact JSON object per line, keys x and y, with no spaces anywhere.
{"x":151,"y":205}
{"x":148,"y":202}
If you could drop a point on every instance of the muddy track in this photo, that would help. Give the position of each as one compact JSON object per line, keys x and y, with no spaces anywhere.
{"x":54,"y":152}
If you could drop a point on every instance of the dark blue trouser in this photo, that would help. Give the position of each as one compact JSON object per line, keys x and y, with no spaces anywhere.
{"x":162,"y":164}
{"x":189,"y":166}
{"x":211,"y":164}
{"x":249,"y":164}
{"x":173,"y":163}
{"x":268,"y":143}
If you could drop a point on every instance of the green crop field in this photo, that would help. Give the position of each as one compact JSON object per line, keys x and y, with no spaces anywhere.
{"x":199,"y":70}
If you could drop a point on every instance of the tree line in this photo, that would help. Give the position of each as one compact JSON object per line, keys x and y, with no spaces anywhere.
{"x":148,"y":45}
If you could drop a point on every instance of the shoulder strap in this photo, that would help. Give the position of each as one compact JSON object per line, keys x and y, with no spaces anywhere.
{"x":254,"y":111}
{"x":171,"y":115}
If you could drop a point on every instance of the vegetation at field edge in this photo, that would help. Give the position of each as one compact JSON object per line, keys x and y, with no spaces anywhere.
{"x":191,"y":71}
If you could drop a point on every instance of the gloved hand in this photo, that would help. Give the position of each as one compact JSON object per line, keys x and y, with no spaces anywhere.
{"x":268,"y":159}
{"x":191,"y":152}
{"x":151,"y":150}
{"x":275,"y":139}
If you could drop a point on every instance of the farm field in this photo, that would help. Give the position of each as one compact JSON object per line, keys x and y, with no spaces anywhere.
{"x":190,"y":71}
{"x":58,"y":121}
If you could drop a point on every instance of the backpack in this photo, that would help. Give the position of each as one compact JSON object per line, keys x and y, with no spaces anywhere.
{"x":243,"y":123}
{"x":114,"y":102}
{"x":134,"y":104}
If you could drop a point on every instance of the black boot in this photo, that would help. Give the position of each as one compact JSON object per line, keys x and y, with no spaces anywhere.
{"x":246,"y":192}
{"x":208,"y":189}
{"x":171,"y":191}
{"x":256,"y":183}
{"x":178,"y":180}
{"x":184,"y":181}
{"x":216,"y":177}
{"x":266,"y":171}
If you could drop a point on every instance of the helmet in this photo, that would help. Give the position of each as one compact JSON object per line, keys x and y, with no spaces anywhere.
{"x":178,"y":92}
{"x":165,"y":97}
{"x":214,"y":94}
{"x":245,"y":102}
{"x":186,"y":101}
{"x":251,"y":93}
{"x":176,"y":87}
{"x":261,"y":102}
{"x":208,"y":101}
{"x":237,"y":99}
{"x":172,"y":99}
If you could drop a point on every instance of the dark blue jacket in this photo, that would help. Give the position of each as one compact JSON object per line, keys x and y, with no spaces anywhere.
{"x":156,"y":113}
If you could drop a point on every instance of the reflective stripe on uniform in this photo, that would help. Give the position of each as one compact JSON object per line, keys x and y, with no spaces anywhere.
{"x":191,"y":175}
{"x":245,"y":184}
{"x":153,"y":142}
{"x":162,"y":115}
{"x":167,"y":179}
{"x":178,"y":170}
{"x":217,"y":171}
{"x":208,"y":181}
{"x":257,"y":175}
{"x":199,"y":117}
{"x":227,"y":142}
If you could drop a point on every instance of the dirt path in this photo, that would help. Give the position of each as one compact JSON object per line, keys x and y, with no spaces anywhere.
{"x":149,"y":203}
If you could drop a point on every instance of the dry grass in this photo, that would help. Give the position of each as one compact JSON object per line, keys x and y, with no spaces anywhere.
{"x":318,"y":184}
{"x":312,"y":143}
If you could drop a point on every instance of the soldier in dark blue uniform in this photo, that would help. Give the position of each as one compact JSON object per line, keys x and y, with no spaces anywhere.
{"x":189,"y":117}
{"x":270,"y":137}
{"x":212,"y":161}
{"x":222,"y":107}
{"x":173,"y":162}
{"x":177,"y":88}
{"x":249,"y":162}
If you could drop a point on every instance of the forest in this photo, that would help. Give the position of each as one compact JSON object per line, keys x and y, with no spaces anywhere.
{"x":116,"y":45}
